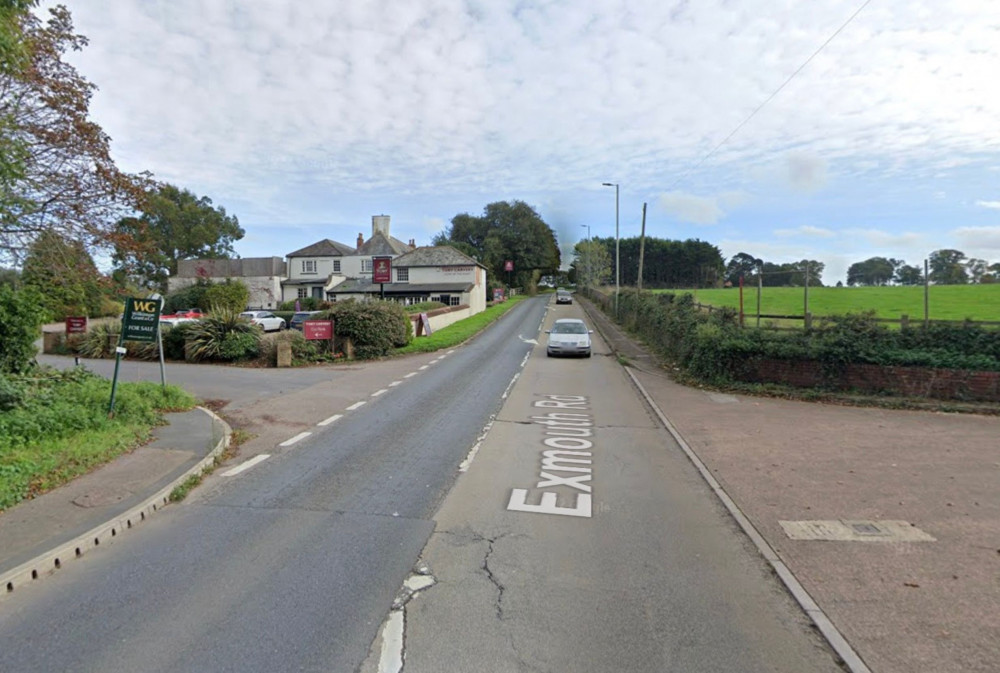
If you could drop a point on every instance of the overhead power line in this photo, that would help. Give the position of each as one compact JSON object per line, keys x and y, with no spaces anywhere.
{"x":771,"y":97}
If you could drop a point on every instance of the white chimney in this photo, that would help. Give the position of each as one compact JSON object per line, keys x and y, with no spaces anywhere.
{"x":380,"y":223}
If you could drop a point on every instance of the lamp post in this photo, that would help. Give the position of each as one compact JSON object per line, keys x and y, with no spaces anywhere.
{"x":618,"y":265}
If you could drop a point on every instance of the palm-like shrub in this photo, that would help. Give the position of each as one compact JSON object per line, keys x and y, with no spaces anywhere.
{"x":100,"y":340}
{"x":222,"y":335}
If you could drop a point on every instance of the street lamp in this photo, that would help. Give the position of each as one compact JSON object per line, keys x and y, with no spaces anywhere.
{"x":618,"y":272}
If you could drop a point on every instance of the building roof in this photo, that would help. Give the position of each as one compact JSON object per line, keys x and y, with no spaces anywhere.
{"x":324,"y":248}
{"x":438,"y":255}
{"x":365,"y":286}
{"x":380,"y":244}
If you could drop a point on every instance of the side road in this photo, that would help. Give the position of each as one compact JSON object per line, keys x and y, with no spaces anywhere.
{"x":904,"y":601}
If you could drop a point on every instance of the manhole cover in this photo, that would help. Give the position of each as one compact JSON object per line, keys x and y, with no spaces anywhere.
{"x":855,"y":531}
{"x":101,"y":497}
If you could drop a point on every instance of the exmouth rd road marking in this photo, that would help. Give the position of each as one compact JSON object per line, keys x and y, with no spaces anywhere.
{"x":247,"y":465}
{"x":567,"y":450}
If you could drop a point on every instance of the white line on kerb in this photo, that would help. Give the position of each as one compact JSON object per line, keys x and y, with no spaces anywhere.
{"x":409,"y":375}
{"x":525,"y":360}
{"x":297,"y":438}
{"x":380,"y":392}
{"x":247,"y":465}
{"x":394,"y":384}
{"x":335,"y":417}
{"x":356,"y":405}
{"x":465,"y":464}
{"x":509,"y":386}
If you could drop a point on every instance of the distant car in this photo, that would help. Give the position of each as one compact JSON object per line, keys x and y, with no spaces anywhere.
{"x":266,"y":320}
{"x":182,"y":315}
{"x":563,"y":297}
{"x":569,"y":336}
{"x":300,"y":317}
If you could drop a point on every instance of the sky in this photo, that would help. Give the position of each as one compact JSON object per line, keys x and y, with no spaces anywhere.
{"x":306,"y":118}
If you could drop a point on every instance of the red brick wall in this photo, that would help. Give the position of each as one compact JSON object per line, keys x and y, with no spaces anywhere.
{"x":949,"y":384}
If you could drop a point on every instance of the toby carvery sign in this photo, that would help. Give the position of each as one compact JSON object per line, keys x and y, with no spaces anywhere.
{"x":141,"y":319}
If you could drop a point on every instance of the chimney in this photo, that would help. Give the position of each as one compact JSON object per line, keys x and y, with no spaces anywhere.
{"x":361,"y":240}
{"x":413,"y":243}
{"x":380,"y":223}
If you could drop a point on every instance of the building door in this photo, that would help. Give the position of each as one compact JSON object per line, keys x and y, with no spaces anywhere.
{"x":317,"y":292}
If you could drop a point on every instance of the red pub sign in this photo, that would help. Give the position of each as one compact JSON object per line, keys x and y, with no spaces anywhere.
{"x":76,"y":325}
{"x":315,"y":330}
{"x":381,"y":269}
{"x":508,"y":265}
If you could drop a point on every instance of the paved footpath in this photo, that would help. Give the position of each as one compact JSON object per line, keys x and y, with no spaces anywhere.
{"x":906,"y":603}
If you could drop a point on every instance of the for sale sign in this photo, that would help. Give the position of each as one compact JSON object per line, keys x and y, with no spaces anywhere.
{"x":141,"y":319}
{"x":381,"y":269}
{"x":316,"y":330}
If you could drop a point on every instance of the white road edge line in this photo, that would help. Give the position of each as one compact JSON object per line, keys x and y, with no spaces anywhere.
{"x":805,"y":601}
{"x":450,"y":352}
{"x":409,"y":375}
{"x":356,"y":405}
{"x":423,"y":368}
{"x":380,"y":392}
{"x":510,"y":385}
{"x":391,"y":657}
{"x":247,"y":465}
{"x":525,"y":360}
{"x":465,"y":464}
{"x":297,"y":438}
{"x":335,"y":417}
{"x":394,"y":384}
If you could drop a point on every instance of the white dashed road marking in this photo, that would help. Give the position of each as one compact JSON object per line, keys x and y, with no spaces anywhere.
{"x":394,"y":384}
{"x":297,"y":438}
{"x":380,"y":392}
{"x":330,"y":420}
{"x":247,"y":465}
{"x":356,"y":405}
{"x":409,"y":375}
{"x":424,"y":367}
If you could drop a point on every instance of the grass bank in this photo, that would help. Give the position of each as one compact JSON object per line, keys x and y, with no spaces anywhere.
{"x":456,"y":333}
{"x":54,"y":426}
{"x":946,"y":302}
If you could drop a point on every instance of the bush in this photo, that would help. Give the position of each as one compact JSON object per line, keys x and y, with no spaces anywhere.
{"x":21,"y":318}
{"x":231,"y":295}
{"x":192,"y":296}
{"x":375,"y":328}
{"x":173,"y":340}
{"x":223,"y":335}
{"x":100,"y":340}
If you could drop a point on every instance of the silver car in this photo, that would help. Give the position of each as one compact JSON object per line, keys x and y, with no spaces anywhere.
{"x":568,"y":336}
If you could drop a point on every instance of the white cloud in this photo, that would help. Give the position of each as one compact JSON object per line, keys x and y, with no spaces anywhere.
{"x":805,"y":230}
{"x":982,"y":239}
{"x":994,"y":205}
{"x":691,"y":208}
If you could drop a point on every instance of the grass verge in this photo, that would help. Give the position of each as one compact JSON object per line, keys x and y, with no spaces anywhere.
{"x":456,"y":333}
{"x":54,"y":426}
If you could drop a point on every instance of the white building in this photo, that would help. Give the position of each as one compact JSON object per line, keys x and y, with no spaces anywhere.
{"x":262,"y":275}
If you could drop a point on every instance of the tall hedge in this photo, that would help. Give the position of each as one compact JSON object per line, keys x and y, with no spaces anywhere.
{"x":375,"y":328}
{"x":21,"y":318}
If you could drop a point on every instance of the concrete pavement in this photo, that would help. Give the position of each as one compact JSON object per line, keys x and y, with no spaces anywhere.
{"x":902,"y":605}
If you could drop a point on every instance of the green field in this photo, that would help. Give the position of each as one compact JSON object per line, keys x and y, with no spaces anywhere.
{"x":947,"y":302}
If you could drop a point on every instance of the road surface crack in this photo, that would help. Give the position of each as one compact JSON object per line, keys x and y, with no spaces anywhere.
{"x":489,"y":573}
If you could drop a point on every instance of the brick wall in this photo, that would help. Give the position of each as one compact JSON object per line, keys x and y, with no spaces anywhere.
{"x":948,"y":384}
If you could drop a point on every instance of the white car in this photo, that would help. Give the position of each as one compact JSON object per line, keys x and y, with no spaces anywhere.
{"x":569,"y":336}
{"x":266,"y":320}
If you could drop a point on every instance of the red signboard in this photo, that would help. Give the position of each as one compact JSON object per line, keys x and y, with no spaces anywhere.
{"x":498,"y":294}
{"x":315,"y":330}
{"x":76,"y":325}
{"x":508,"y":265}
{"x":381,"y":269}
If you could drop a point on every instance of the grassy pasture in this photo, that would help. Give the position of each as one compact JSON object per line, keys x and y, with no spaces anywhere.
{"x":947,"y":302}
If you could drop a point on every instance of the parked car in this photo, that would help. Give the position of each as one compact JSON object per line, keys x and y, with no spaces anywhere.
{"x":569,"y":336}
{"x":300,"y":317}
{"x":266,"y":320}
{"x":182,"y":315}
{"x":563,"y":297}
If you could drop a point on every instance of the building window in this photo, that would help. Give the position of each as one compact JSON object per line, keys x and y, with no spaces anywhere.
{"x":366,"y":266}
{"x":336,"y":266}
{"x":402,"y":275}
{"x":453,"y":301}
{"x":309,"y":266}
{"x":303,"y":293}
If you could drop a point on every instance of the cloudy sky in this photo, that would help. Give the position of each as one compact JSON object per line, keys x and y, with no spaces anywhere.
{"x":306,"y":118}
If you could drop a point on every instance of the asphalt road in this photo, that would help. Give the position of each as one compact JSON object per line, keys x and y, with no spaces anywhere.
{"x":289,"y":566}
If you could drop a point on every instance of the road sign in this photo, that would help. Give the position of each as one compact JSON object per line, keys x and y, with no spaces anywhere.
{"x":76,"y":325}
{"x":508,"y":265}
{"x":141,"y":319}
{"x":381,"y":269}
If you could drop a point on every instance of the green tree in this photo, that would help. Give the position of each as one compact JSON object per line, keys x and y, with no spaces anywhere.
{"x":174,"y":225}
{"x":977,"y":268}
{"x":947,"y":267}
{"x":507,"y":230}
{"x":909,"y":275}
{"x":873,"y":271}
{"x":592,"y":264}
{"x":20,"y":322}
{"x":232,"y":295}
{"x":743,"y":265}
{"x":65,"y":276}
{"x":56,"y":171}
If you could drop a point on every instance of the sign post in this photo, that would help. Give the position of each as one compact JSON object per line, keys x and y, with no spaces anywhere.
{"x":140,"y":322}
{"x":508,"y":266}
{"x":382,"y":273}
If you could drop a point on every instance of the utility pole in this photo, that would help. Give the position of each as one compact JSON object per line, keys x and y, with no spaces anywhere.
{"x":642,"y":246}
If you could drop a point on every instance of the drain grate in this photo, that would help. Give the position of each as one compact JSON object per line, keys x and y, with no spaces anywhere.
{"x":855,"y":531}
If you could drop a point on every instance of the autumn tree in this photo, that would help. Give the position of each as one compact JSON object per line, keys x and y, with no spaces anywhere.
{"x":56,"y":173}
{"x":174,"y":224}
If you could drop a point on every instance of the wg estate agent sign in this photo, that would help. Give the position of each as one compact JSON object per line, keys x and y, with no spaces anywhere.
{"x":141,"y":319}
